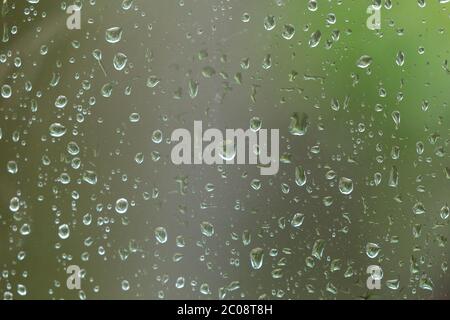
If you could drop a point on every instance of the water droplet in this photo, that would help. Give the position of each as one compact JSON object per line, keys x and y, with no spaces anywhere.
{"x":335,"y":105}
{"x":152,"y":81}
{"x":393,"y":177}
{"x":331,"y":18}
{"x":269,"y":23}
{"x":204,"y":289}
{"x":228,"y":150}
{"x":64,"y":231}
{"x":245,"y":17}
{"x":107,"y":89}
{"x":426,"y":283}
{"x":126,"y":4}
{"x":120,"y":61}
{"x":157,"y":136}
{"x":121,"y":205}
{"x":61,"y":102}
{"x":208,"y":72}
{"x":11,"y":166}
{"x":134,"y":117}
{"x":345,"y":185}
{"x":161,"y":234}
{"x":139,"y":158}
{"x":372,"y":250}
{"x":179,"y":284}
{"x":393,"y":284}
{"x":57,"y":130}
{"x":315,"y":39}
{"x":267,"y":62}
{"x":14,"y":204}
{"x":90,"y":177}
{"x":114,"y":34}
{"x":297,"y":220}
{"x":288,"y":32}
{"x":300,"y":176}
{"x":193,"y":89}
{"x":25,"y":229}
{"x":364,"y":61}
{"x":21,"y":289}
{"x":419,"y":208}
{"x":125,"y":285}
{"x":207,"y":229}
{"x":6,"y":91}
{"x":318,"y":247}
{"x":299,"y":124}
{"x":445,"y":213}
{"x":256,"y":258}
{"x":420,"y":147}
{"x":255,"y":124}
{"x":400,"y":59}
{"x":73,"y":148}
{"x":312,"y":5}
{"x":396,"y":118}
{"x":256,"y":184}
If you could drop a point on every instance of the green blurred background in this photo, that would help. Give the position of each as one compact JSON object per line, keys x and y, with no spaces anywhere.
{"x":223,"y":46}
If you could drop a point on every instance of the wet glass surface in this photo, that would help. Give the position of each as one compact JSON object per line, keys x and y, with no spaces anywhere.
{"x":92,"y":205}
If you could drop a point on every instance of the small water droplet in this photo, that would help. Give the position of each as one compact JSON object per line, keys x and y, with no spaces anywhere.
{"x":114,"y":34}
{"x":161,"y":234}
{"x":288,"y":32}
{"x":315,"y":39}
{"x":372,"y":250}
{"x":207,"y":229}
{"x":269,"y":23}
{"x":61,"y":102}
{"x":6,"y":91}
{"x":345,"y":185}
{"x":57,"y":130}
{"x":256,"y":258}
{"x":64,"y":231}
{"x":300,"y":176}
{"x":120,"y":61}
{"x":121,"y":205}
{"x":364,"y":61}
